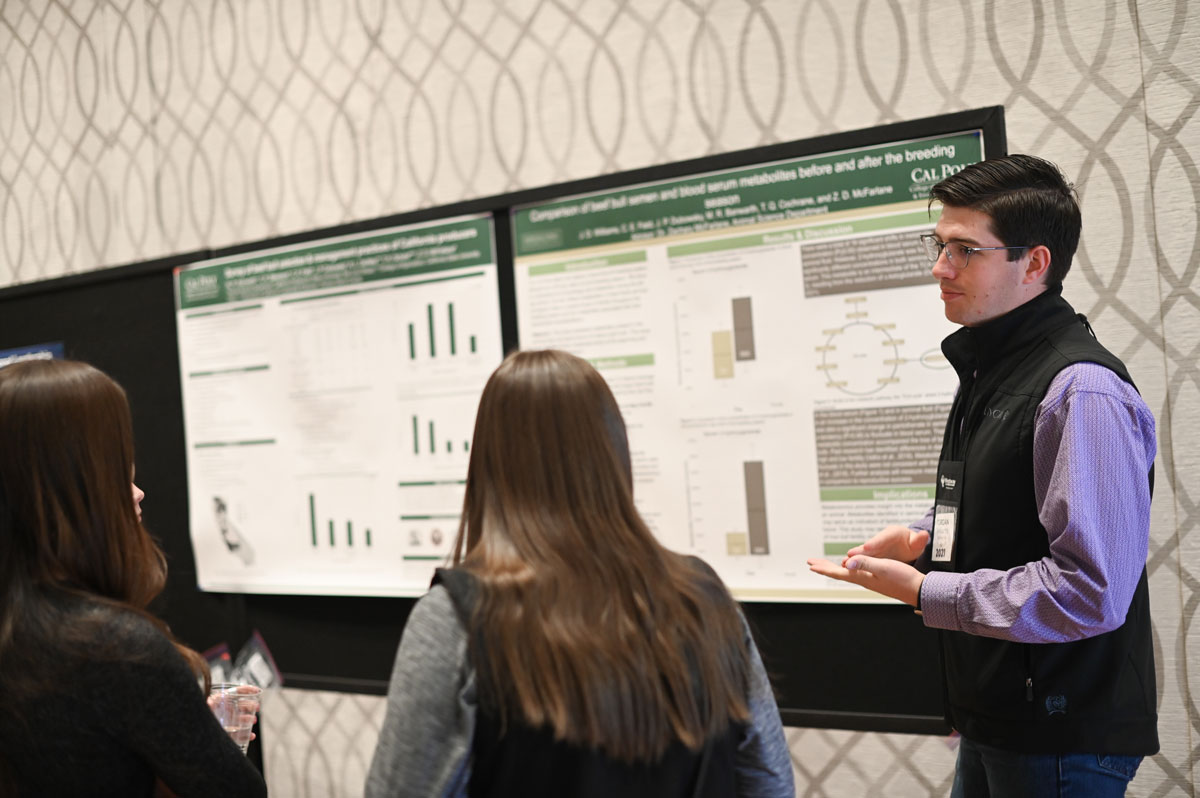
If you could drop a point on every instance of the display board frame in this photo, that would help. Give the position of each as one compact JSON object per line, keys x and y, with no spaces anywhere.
{"x":827,"y":661}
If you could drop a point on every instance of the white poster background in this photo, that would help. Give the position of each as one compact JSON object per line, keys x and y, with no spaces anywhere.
{"x":328,"y":428}
{"x":654,"y":315}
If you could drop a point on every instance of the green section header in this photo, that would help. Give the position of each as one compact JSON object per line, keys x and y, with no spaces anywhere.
{"x":890,"y":493}
{"x":619,"y":259}
{"x":216,"y":444}
{"x":622,"y":361}
{"x":861,"y":178}
{"x":334,"y":264}
{"x":239,"y":369}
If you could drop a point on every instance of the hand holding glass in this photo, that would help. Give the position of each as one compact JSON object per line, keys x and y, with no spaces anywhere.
{"x":236,"y":707}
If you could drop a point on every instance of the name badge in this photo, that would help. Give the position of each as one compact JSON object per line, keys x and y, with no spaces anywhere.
{"x":944,"y":518}
{"x":945,"y":510}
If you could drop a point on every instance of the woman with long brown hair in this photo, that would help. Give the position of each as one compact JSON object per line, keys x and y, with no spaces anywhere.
{"x":568,"y":653}
{"x":96,"y":697}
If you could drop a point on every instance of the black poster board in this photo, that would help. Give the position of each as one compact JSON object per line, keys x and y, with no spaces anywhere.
{"x":866,"y":667}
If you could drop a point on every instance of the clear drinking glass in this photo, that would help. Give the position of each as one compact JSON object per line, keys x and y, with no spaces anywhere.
{"x":236,"y":707}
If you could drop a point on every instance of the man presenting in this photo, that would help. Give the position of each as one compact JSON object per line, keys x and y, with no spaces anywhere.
{"x":1032,"y":560}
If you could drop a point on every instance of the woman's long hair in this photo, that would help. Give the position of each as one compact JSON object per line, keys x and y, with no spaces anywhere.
{"x":68,"y":524}
{"x":586,"y":624}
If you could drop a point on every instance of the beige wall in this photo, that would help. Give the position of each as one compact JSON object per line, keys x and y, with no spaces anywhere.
{"x":131,"y":130}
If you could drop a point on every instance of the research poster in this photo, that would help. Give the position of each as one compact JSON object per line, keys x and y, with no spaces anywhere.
{"x":329,"y":393}
{"x":773,"y":336}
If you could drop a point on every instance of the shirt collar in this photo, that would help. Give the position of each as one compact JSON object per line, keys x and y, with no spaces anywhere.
{"x":975,"y":349}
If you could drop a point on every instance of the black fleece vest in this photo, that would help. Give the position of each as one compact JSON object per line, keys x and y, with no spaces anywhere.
{"x":1089,"y":696}
{"x":529,"y":762}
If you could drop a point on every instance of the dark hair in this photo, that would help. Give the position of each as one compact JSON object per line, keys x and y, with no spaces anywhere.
{"x":586,"y":624}
{"x":68,"y":524}
{"x":1029,"y":202}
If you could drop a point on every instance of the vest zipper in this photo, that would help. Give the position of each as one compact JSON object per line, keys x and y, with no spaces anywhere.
{"x":1028,"y":673}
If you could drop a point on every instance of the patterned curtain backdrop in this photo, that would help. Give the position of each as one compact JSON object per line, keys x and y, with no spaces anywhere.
{"x":132,"y":129}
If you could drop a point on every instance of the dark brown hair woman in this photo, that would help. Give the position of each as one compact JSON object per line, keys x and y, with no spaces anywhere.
{"x":96,"y":697}
{"x":568,"y":652}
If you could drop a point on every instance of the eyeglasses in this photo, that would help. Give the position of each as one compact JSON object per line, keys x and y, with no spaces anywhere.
{"x":956,"y":254}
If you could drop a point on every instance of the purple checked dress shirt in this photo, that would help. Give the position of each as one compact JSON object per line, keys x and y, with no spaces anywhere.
{"x":1093,"y":444}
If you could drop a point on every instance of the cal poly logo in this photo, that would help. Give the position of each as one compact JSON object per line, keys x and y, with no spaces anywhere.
{"x":200,"y":286}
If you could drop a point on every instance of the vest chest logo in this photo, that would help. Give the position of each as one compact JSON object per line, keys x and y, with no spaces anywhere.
{"x":995,"y":414}
{"x":947,"y":482}
{"x":1056,"y":705}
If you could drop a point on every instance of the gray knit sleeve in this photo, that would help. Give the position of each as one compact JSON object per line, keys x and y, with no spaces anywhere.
{"x":424,"y":747}
{"x":764,"y":763}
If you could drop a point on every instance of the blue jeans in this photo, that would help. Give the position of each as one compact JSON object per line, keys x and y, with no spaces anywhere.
{"x":986,"y":772}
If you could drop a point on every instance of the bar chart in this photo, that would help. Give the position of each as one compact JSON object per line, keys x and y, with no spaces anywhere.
{"x":737,"y":480}
{"x":736,"y":344}
{"x":443,"y":326}
{"x":426,"y":438}
{"x":338,"y":525}
{"x":451,"y":334}
{"x":730,"y":338}
{"x":754,"y":539}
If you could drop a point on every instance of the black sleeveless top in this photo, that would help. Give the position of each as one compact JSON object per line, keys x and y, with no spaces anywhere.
{"x":531,"y":763}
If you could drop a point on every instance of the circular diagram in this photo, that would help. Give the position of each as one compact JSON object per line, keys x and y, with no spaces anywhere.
{"x":860,"y":358}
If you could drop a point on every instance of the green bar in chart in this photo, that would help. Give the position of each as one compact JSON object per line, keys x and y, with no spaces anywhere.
{"x":472,"y":343}
{"x":453,"y":346}
{"x":412,"y":343}
{"x":433,"y":444}
{"x":312,"y":517}
{"x":312,"y":523}
{"x":432,"y":347}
